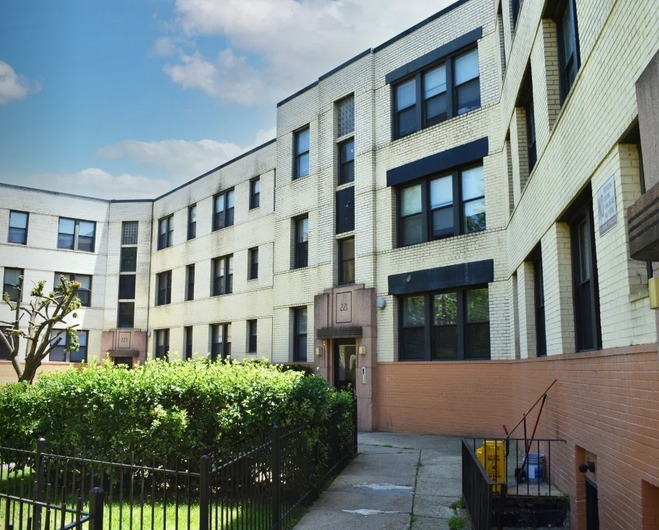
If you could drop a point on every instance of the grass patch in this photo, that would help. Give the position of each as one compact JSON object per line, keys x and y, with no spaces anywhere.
{"x":459,"y":504}
{"x":456,"y":523}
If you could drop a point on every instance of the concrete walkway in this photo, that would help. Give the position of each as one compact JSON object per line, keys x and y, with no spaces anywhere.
{"x":397,"y":481}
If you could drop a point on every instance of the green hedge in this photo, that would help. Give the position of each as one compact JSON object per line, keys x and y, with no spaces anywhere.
{"x":162,"y":409}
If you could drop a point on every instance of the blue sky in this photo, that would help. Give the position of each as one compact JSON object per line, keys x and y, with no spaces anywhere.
{"x":130,"y":98}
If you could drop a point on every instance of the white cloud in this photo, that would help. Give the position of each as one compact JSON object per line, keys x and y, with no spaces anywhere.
{"x":95,"y":182}
{"x":13,"y":86}
{"x":295,"y":41}
{"x":181,"y":160}
{"x":175,"y":162}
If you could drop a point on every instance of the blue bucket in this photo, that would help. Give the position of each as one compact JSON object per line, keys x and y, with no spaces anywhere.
{"x":535,"y":467}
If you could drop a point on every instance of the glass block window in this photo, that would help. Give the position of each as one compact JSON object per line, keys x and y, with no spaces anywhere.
{"x":345,"y":109}
{"x":129,"y":233}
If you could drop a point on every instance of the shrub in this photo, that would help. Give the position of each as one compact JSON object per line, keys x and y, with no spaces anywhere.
{"x":162,"y":409}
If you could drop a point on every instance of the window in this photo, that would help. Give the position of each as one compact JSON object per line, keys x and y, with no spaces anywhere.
{"x":347,"y":260}
{"x":85,"y":289}
{"x":165,"y":232}
{"x":129,"y":232}
{"x":75,"y":234}
{"x":347,"y":161}
{"x":223,"y":210}
{"x":253,"y":266}
{"x":254,"y":193}
{"x":451,"y":325}
{"x":187,"y":337}
{"x":434,"y":95}
{"x":301,"y":250}
{"x":189,"y":282}
{"x":251,"y":336}
{"x":161,"y":341}
{"x":12,"y":283}
{"x":62,"y":351}
{"x":5,"y":350}
{"x":126,"y":315}
{"x":18,"y":222}
{"x":345,"y":210}
{"x":222,"y":275}
{"x":539,"y":295}
{"x":301,"y":153}
{"x":192,"y":221}
{"x":128,"y":259}
{"x":584,"y":273}
{"x":568,"y":46}
{"x":126,"y":287}
{"x":515,"y":6}
{"x":530,"y":132}
{"x":220,"y":341}
{"x":442,"y":206}
{"x":164,"y":288}
{"x":345,"y":110}
{"x":300,"y":334}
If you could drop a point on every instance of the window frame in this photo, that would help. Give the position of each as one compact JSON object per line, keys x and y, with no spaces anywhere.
{"x":565,"y":64}
{"x":300,"y":335}
{"x":189,"y":282}
{"x":301,"y":152}
{"x":192,"y":221}
{"x":418,"y":109}
{"x":5,"y":352}
{"x":126,"y":317}
{"x":222,"y":275}
{"x":515,"y":8}
{"x":430,"y":345}
{"x":128,"y":264}
{"x":301,"y":241}
{"x":63,"y":334}
{"x":253,"y":263}
{"x":161,"y":347}
{"x":86,"y":298}
{"x":22,"y":230}
{"x":223,"y":218}
{"x":165,"y":231}
{"x":75,"y":236}
{"x":252,"y":336}
{"x":539,"y":305}
{"x":220,"y":349}
{"x":126,"y":233}
{"x":343,"y":278}
{"x":164,"y":288}
{"x":346,"y":163}
{"x":255,"y":193}
{"x":188,"y":337}
{"x":426,"y":212}
{"x":10,"y":288}
{"x":585,"y":291}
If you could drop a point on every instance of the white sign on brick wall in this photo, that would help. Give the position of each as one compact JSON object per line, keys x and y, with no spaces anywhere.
{"x":607,"y":213}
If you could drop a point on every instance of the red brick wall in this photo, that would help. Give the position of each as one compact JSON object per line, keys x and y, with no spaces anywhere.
{"x":8,"y":375}
{"x":605,"y":404}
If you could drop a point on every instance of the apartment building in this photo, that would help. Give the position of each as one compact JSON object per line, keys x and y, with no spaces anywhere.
{"x":440,"y":224}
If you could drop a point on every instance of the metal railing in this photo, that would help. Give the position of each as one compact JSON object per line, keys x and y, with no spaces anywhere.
{"x":495,"y":471}
{"x":264,"y":486}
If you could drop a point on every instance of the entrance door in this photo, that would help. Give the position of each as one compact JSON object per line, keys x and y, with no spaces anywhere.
{"x":345,"y":363}
{"x":592,"y":510}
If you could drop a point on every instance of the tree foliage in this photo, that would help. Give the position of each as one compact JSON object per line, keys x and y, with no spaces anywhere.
{"x":35,"y":323}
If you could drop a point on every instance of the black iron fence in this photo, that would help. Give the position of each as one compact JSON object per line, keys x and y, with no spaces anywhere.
{"x":497,"y":471}
{"x":263,"y":487}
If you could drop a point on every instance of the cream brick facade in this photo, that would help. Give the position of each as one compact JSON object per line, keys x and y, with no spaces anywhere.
{"x":582,"y":144}
{"x":522,"y":210}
